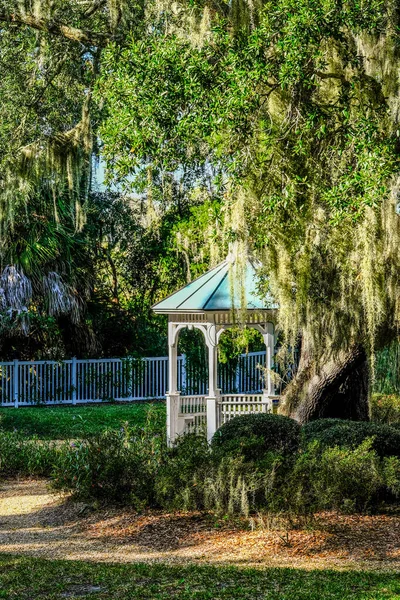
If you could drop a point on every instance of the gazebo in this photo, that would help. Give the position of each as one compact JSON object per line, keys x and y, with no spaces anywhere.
{"x":211,"y":304}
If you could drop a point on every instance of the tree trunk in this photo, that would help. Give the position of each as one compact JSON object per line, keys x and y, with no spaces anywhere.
{"x":339,"y":389}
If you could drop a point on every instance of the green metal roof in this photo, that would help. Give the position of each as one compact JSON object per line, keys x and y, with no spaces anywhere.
{"x":213,"y":292}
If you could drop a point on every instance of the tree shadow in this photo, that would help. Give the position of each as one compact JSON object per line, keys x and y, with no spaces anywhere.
{"x":41,"y":522}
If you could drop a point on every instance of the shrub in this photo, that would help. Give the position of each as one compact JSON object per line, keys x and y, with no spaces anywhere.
{"x":235,"y":486}
{"x":254,"y":436}
{"x":117,"y":466}
{"x":180,"y":480}
{"x":135,"y":468}
{"x":385,"y":408}
{"x":313,"y":429}
{"x":111,"y":466}
{"x":341,"y":479}
{"x":19,"y":456}
{"x":350,"y":434}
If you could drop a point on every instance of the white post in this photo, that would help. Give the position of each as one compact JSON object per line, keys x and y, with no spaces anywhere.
{"x":16,"y":383}
{"x":172,"y":360}
{"x":173,"y":396}
{"x":212,"y":417}
{"x":73,"y":380}
{"x":212,"y":370}
{"x":213,"y":391}
{"x":172,"y":417}
{"x":269,"y":340}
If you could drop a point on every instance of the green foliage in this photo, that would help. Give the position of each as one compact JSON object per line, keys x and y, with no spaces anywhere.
{"x":340,"y":478}
{"x":350,"y":434}
{"x":22,"y":457}
{"x":385,"y":408}
{"x":254,"y":436}
{"x":286,"y":113}
{"x":180,"y":482}
{"x":236,"y":341}
{"x":236,"y":486}
{"x":132,"y":465}
{"x":387,"y":370}
{"x":117,"y":466}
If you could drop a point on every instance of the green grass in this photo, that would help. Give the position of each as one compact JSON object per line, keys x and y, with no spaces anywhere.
{"x":38,"y":579}
{"x":72,"y":422}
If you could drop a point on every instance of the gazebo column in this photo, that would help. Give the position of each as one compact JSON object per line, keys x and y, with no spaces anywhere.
{"x":269,"y":340}
{"x":213,"y":391}
{"x":173,"y":395}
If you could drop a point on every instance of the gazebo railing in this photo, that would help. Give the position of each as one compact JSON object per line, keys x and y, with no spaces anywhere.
{"x":193,"y":409}
{"x":236,"y":405}
{"x":192,"y":405}
{"x":193,"y":414}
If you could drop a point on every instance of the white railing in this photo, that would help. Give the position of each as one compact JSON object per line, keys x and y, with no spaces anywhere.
{"x":94,"y":380}
{"x":193,"y":413}
{"x":236,"y":405}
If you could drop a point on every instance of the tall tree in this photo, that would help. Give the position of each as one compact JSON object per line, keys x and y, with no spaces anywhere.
{"x":49,"y":54}
{"x":292,"y":107}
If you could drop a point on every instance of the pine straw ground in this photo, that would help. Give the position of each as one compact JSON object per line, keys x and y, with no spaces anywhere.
{"x":36,"y":522}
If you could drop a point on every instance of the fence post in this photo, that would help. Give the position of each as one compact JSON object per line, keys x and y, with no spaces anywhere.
{"x":73,"y":379}
{"x":239,"y":368}
{"x":16,"y":383}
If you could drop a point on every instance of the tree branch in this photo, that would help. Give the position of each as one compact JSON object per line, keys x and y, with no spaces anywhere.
{"x":54,"y":27}
{"x":96,"y":5}
{"x":323,"y":75}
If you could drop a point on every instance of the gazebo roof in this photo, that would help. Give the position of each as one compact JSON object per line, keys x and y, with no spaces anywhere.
{"x":213,"y":292}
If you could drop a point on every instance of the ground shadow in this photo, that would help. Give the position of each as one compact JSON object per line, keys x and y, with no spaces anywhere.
{"x":35,"y":521}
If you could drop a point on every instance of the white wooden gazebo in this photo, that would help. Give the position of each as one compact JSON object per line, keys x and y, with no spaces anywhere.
{"x":211,"y":304}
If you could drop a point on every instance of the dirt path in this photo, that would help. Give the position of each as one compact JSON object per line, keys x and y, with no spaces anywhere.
{"x":37,"y":522}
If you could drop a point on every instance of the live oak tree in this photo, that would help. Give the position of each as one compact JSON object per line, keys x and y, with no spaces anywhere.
{"x":291,"y":108}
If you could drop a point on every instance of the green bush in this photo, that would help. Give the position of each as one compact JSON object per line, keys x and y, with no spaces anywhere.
{"x":117,"y":466}
{"x":180,"y":480}
{"x":19,"y":456}
{"x":109,"y":466}
{"x":254,"y":436}
{"x":385,"y":409}
{"x":350,"y":434}
{"x":255,"y":464}
{"x":344,"y":479}
{"x":236,"y":486}
{"x":311,"y":430}
{"x":340,"y":478}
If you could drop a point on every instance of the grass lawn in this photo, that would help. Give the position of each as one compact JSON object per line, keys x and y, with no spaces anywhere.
{"x":40,"y":579}
{"x":66,"y":422}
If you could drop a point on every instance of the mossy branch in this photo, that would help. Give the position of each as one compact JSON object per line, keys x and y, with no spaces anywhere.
{"x":55,"y":27}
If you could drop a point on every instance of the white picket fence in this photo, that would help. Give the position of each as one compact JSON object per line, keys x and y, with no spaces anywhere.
{"x":76,"y":381}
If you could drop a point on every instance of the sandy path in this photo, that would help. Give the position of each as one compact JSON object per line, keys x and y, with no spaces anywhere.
{"x":37,"y":522}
